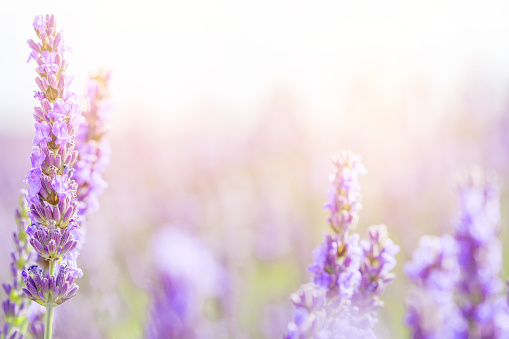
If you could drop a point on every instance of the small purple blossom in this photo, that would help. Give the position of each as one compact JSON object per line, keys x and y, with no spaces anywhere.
{"x":63,"y":186}
{"x":61,"y":132}
{"x":49,"y":66}
{"x":53,"y":243}
{"x":39,"y":95}
{"x":33,"y":179}
{"x":39,"y":23}
{"x":336,"y":264}
{"x":49,"y":289}
{"x":42,"y":133}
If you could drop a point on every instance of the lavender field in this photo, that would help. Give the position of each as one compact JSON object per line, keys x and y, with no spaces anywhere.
{"x":231,"y":160}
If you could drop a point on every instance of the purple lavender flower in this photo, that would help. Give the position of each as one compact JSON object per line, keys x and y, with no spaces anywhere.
{"x":458,"y":288}
{"x":178,"y":297}
{"x":378,"y":261}
{"x":344,"y":195}
{"x":434,"y":272}
{"x":36,"y":315}
{"x":52,"y":193}
{"x":92,"y":145}
{"x":49,"y":289}
{"x":480,"y":252}
{"x":309,"y":316}
{"x":320,"y":317}
{"x":16,"y":304}
{"x":51,"y":197}
{"x":51,"y":243}
{"x":336,"y":264}
{"x":343,"y":300}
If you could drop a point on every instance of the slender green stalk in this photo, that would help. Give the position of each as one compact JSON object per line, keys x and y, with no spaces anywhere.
{"x":48,"y":328}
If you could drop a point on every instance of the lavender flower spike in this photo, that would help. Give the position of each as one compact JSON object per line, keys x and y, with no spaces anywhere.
{"x":344,"y":195}
{"x":480,"y":253}
{"x":92,"y":146}
{"x":16,"y":304}
{"x":52,"y":192}
{"x":348,"y":276}
{"x":434,"y":273}
{"x":336,"y":262}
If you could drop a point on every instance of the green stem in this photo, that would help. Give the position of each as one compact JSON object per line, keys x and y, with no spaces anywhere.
{"x":48,"y":328}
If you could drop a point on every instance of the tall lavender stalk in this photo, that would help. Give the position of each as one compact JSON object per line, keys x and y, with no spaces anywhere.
{"x":456,"y":284}
{"x":348,"y":275}
{"x":16,"y":304}
{"x":92,"y":146}
{"x":52,"y":193}
{"x":480,"y":252}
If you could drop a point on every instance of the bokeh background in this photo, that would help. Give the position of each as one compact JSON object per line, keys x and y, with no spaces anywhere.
{"x":226,"y":115}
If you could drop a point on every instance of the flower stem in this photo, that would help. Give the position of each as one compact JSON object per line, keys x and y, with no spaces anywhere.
{"x":48,"y":328}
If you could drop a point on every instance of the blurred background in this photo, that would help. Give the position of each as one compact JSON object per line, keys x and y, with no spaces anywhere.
{"x":226,"y":115}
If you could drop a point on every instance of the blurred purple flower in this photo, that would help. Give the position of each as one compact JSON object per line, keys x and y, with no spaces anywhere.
{"x":480,"y":252}
{"x":343,"y":299}
{"x":344,"y":195}
{"x":16,"y":304}
{"x":434,"y":273}
{"x":336,"y":264}
{"x":93,"y":147}
{"x":378,"y":260}
{"x":186,"y":274}
{"x":457,"y":289}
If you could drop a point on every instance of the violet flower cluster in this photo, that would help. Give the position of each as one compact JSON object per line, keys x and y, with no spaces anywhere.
{"x":186,"y":276}
{"x":349,"y":274}
{"x":52,"y":202}
{"x":456,"y":285}
{"x":16,"y":305}
{"x":92,"y":146}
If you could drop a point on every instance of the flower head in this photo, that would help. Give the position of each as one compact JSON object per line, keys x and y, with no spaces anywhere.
{"x":92,"y":145}
{"x":53,"y":243}
{"x":344,"y":196}
{"x":49,"y":289}
{"x":378,"y":260}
